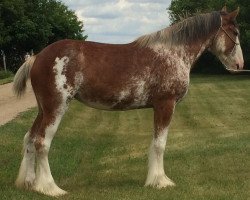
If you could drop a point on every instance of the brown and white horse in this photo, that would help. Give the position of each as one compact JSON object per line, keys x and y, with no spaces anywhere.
{"x":151,"y":72}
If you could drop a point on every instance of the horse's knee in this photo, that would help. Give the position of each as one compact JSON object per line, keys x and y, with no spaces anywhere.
{"x":159,"y":145}
{"x":160,"y":141}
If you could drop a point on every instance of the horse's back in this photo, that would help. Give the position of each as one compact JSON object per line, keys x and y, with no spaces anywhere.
{"x":106,"y":61}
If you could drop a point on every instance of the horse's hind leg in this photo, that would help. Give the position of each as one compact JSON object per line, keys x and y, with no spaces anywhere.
{"x":44,"y":182}
{"x":163,"y":111}
{"x":26,"y":174}
{"x":36,"y":148}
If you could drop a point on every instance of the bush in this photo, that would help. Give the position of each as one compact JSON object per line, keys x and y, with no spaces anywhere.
{"x":5,"y":74}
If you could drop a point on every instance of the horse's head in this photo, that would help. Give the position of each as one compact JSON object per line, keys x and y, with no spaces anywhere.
{"x":226,"y":44}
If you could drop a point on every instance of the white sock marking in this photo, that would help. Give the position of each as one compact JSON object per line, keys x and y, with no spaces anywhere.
{"x":156,"y":174}
{"x":44,"y":182}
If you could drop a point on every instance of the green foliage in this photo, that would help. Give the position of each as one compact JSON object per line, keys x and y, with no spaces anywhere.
{"x":189,"y":7}
{"x":6,"y":80}
{"x":5,"y":74}
{"x":33,"y":24}
{"x":6,"y":77}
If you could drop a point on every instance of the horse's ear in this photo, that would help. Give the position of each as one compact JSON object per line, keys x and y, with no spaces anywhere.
{"x":224,"y":9}
{"x":234,"y":14}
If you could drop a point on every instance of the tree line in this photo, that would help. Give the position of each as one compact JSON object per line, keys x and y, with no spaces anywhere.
{"x":208,"y":63}
{"x":27,"y":25}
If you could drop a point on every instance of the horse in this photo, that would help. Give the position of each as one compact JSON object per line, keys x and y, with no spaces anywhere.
{"x":153,"y":71}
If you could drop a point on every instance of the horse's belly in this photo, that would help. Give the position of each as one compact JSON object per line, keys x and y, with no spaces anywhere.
{"x":96,"y":105}
{"x":118,"y":101}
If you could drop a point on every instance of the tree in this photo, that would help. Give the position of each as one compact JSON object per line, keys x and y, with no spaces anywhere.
{"x":33,"y":24}
{"x":189,"y":7}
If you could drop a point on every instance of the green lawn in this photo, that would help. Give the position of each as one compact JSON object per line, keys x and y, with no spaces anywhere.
{"x":103,"y":155}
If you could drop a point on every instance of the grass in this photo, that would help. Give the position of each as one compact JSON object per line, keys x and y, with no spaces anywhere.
{"x":103,"y":155}
{"x":6,"y":80}
{"x":6,"y":77}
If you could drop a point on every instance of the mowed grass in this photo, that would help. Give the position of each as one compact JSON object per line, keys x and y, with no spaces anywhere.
{"x":103,"y":155}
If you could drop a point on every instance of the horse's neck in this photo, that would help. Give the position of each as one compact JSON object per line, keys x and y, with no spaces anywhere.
{"x":196,"y":50}
{"x":187,"y":54}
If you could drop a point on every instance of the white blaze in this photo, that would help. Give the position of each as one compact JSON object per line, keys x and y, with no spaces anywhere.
{"x":238,"y":54}
{"x":234,"y":58}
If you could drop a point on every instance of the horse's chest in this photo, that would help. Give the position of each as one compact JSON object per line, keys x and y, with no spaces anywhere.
{"x":175,"y":83}
{"x":174,"y":66}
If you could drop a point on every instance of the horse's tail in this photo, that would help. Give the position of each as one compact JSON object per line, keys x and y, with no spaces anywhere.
{"x":22,"y":76}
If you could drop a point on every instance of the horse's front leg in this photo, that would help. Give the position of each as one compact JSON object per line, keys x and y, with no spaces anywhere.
{"x":163,"y":111}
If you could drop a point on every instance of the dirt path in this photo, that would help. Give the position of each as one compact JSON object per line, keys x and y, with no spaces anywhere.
{"x":10,"y":106}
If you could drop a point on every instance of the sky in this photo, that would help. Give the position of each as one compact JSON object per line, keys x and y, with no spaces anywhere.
{"x":120,"y":21}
